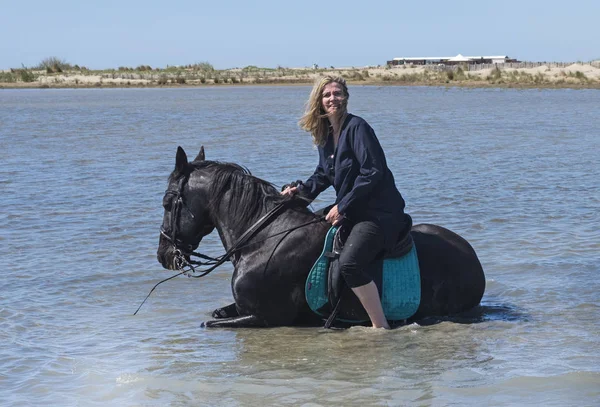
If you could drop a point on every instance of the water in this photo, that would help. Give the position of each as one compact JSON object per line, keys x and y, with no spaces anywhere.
{"x":82,"y":177}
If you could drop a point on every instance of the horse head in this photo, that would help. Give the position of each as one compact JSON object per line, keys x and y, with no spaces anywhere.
{"x":186,"y":218}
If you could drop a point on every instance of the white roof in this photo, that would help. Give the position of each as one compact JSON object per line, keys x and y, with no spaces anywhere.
{"x":489,"y":57}
{"x":459,"y":58}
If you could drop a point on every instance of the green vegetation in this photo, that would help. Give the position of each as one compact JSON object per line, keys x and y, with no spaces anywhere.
{"x":55,"y":72}
{"x":7,"y":77}
{"x":25,"y":75}
{"x":54,"y":65}
{"x":495,"y":75}
{"x":202,"y":66}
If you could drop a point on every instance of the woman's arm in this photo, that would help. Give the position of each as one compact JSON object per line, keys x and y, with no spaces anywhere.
{"x":317,"y":183}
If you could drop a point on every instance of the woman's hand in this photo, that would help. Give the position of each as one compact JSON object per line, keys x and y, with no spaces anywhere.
{"x":289,"y":191}
{"x":333,"y":216}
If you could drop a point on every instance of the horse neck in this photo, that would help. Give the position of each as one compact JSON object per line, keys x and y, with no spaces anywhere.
{"x":238,"y":209}
{"x":229,"y":226}
{"x":230,"y":229}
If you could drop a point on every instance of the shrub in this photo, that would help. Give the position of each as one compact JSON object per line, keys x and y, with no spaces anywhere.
{"x":26,"y":75}
{"x":7,"y":77}
{"x":408,"y":78}
{"x":180,"y":80}
{"x":162,"y":80}
{"x":203,"y":66}
{"x":54,"y":63}
{"x":496,"y":73}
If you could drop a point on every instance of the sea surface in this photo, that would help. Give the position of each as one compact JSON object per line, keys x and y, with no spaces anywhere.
{"x":82,"y":176}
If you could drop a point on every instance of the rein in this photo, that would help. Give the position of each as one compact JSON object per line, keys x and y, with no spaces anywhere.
{"x":181,"y":261}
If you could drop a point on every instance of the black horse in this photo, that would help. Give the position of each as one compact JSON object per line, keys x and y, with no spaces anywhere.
{"x":270,"y":270}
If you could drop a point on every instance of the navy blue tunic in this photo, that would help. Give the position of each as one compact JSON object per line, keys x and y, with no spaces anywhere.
{"x":358,"y":171}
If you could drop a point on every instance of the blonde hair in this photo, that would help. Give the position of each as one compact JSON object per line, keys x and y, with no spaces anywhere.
{"x":315,"y":120}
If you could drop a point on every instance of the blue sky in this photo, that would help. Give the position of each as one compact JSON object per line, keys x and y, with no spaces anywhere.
{"x":231,"y":33}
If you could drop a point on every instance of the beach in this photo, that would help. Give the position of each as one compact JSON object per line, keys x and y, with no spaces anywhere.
{"x":525,"y":75}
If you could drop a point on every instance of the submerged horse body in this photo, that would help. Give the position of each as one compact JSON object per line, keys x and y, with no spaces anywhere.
{"x":270,"y":270}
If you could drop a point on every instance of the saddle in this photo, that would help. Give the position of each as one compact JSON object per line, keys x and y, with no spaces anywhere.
{"x":396,"y":274}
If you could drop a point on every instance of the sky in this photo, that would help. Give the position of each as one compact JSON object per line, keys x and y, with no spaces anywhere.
{"x":292,"y":33}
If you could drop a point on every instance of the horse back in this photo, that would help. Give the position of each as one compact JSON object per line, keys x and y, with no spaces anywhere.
{"x":452,"y":278}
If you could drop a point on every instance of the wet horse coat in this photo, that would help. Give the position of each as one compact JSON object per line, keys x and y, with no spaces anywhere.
{"x":270,"y":275}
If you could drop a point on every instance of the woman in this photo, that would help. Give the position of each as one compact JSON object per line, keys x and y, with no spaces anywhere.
{"x":352,"y":160}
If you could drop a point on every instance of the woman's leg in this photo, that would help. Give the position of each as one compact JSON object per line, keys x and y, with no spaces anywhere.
{"x":369,"y":298}
{"x":364,"y":244}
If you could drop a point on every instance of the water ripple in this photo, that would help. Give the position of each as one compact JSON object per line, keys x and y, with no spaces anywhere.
{"x":82,"y":176}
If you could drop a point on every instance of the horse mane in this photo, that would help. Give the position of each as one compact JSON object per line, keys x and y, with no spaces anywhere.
{"x":250,"y":195}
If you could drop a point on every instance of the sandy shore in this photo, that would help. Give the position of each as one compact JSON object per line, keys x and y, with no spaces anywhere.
{"x":574,"y":75}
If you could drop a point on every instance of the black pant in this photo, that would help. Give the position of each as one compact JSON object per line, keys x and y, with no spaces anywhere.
{"x":362,"y":251}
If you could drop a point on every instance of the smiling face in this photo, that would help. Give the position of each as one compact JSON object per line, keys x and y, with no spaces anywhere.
{"x":334,"y":99}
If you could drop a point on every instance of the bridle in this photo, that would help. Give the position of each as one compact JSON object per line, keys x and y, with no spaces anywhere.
{"x":183,"y":251}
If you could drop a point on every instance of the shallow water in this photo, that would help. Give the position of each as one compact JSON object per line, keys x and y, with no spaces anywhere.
{"x":82,"y":178}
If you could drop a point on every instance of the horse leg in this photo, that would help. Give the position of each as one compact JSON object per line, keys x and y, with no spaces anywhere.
{"x":226,"y":312}
{"x":246,"y":321}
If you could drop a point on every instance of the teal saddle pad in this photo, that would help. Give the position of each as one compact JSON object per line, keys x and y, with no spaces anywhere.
{"x":401,"y":284}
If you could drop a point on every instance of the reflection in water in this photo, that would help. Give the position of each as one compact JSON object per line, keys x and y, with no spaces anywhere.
{"x":287,"y":365}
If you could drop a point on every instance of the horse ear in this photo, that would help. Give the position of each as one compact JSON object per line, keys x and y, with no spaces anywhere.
{"x":200,"y":156}
{"x":181,"y":160}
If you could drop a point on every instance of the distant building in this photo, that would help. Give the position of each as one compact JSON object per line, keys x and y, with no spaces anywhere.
{"x":459,"y":59}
